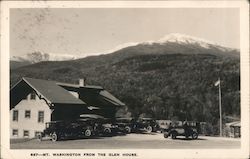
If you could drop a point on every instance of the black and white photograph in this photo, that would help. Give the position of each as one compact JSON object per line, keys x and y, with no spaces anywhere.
{"x":125,"y":78}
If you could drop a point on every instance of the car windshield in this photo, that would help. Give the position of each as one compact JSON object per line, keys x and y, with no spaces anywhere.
{"x":50,"y":125}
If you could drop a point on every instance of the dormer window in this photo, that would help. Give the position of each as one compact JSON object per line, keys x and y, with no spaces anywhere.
{"x":33,"y":96}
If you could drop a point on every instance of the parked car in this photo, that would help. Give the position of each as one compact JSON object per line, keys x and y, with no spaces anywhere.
{"x":184,"y":130}
{"x":57,"y":130}
{"x":96,"y":121}
{"x":163,"y":124}
{"x":126,"y":125}
{"x":103,"y":126}
{"x":146,"y":124}
{"x":109,"y":129}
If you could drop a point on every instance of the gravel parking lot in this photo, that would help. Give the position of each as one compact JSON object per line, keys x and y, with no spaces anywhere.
{"x":138,"y":141}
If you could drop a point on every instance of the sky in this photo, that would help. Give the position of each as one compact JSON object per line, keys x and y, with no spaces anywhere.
{"x":83,"y":32}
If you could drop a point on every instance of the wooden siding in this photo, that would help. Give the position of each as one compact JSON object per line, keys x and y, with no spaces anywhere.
{"x":29,"y":124}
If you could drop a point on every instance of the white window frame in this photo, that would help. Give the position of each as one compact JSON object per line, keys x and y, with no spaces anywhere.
{"x":13,"y":132}
{"x":33,"y":94}
{"x":27,"y":132}
{"x":27,"y":117}
{"x":38,"y":117}
{"x":15,"y":119}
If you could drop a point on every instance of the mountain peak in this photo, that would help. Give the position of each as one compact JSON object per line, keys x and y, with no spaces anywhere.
{"x":185,"y":39}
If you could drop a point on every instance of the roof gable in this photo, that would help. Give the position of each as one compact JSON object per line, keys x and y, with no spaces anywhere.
{"x":48,"y":89}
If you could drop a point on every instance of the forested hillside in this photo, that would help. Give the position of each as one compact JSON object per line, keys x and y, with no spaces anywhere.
{"x":173,"y":86}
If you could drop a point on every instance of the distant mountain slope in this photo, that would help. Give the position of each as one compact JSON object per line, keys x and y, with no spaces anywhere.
{"x":16,"y":64}
{"x":35,"y":57}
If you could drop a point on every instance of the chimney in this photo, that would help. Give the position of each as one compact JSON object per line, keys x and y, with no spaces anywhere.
{"x":82,"y":82}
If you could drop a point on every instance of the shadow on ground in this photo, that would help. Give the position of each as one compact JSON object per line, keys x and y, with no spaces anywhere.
{"x":13,"y":141}
{"x":188,"y":139}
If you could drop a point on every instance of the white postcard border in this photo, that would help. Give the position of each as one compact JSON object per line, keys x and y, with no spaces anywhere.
{"x":243,"y":152}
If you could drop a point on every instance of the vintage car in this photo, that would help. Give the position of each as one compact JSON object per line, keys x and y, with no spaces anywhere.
{"x":184,"y":130}
{"x":108,"y":128}
{"x":163,"y":125}
{"x":146,"y":124}
{"x":57,"y":130}
{"x":126,"y":125}
{"x":103,"y":126}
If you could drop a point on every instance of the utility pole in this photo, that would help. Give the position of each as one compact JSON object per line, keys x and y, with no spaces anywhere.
{"x":217,"y":83}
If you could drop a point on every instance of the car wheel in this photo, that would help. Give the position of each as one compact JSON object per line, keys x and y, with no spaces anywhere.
{"x":173,"y":135}
{"x":128,"y":129}
{"x":165,"y":135}
{"x":195,"y":135}
{"x":87,"y":133}
{"x":39,"y":137}
{"x":54,"y":137}
{"x":107,"y":130}
{"x":155,"y":129}
{"x":149,"y":129}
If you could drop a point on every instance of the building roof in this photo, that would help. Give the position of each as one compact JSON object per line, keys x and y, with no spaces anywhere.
{"x":58,"y":93}
{"x":109,"y":97}
{"x":97,"y":97}
{"x":75,"y":87}
{"x":93,"y":95}
{"x":49,"y":90}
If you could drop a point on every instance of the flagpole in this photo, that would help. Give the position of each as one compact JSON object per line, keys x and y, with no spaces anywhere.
{"x":220,"y":109}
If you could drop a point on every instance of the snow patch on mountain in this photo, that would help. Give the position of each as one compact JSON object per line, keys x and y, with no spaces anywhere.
{"x":186,"y":39}
{"x":178,"y":38}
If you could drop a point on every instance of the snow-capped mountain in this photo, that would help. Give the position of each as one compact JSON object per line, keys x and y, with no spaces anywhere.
{"x":39,"y":56}
{"x":186,"y":40}
{"x":169,"y":44}
{"x":175,"y":38}
{"x":176,"y":43}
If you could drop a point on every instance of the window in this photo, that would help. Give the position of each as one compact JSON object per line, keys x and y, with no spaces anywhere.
{"x":27,"y":114}
{"x":14,"y":132}
{"x":15,"y":115}
{"x":26,"y":133}
{"x":40,"y":116}
{"x":33,"y":96}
